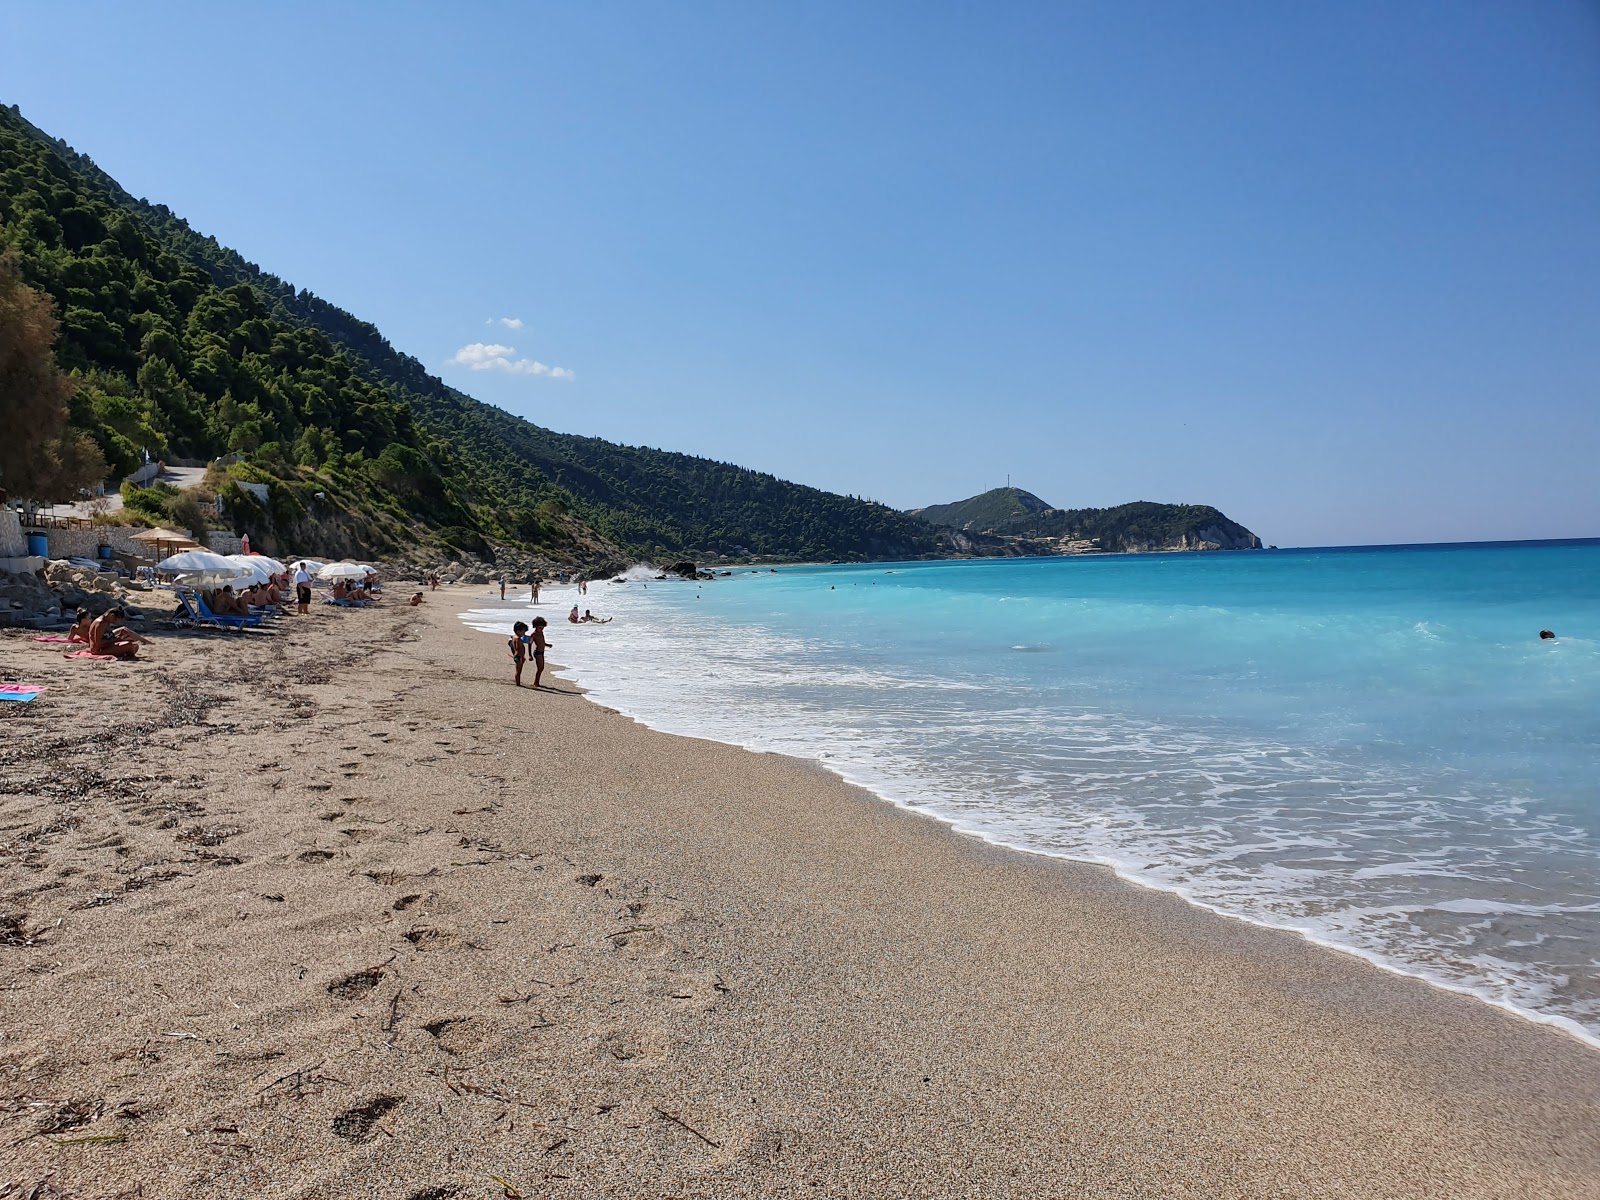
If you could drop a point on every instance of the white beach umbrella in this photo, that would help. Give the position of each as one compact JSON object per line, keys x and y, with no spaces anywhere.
{"x":251,"y":569}
{"x":272,"y":565}
{"x":343,"y":570}
{"x":312,"y":565}
{"x":201,"y":567}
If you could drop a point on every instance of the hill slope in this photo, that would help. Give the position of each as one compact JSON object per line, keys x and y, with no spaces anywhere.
{"x":185,"y":348}
{"x":984,"y":512}
{"x":1128,"y":528}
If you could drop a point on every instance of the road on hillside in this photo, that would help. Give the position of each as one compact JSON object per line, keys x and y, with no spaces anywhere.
{"x":178,"y":477}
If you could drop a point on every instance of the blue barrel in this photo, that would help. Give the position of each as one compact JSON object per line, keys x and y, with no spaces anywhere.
{"x":105,"y":551}
{"x":39,"y":544}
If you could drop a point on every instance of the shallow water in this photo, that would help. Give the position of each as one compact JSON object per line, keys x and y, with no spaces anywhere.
{"x":1369,"y":746}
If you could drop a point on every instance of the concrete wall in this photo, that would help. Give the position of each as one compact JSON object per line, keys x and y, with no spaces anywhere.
{"x":144,"y":474}
{"x":12,"y":543}
{"x":86,"y":543}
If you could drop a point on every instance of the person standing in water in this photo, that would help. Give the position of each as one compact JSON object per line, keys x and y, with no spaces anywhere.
{"x":535,"y":587}
{"x":502,"y":587}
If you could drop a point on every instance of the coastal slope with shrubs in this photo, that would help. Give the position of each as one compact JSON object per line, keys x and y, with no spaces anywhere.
{"x":177,"y":346}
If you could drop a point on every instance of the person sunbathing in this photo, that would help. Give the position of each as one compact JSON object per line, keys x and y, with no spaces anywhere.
{"x":107,"y":637}
{"x":258,"y":595}
{"x":80,"y":628}
{"x":231,"y":605}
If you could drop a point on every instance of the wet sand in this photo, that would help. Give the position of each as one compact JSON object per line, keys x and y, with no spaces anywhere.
{"x":339,"y":912}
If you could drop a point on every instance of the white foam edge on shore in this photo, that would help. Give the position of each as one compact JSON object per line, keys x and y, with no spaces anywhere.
{"x":1120,"y":869}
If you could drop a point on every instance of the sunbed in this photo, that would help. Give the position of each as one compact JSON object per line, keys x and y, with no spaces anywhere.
{"x":229,"y":622}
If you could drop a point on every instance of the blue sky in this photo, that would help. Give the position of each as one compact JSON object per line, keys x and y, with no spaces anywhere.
{"x":1333,"y":268}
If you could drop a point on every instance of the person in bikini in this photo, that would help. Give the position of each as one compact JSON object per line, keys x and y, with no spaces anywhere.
{"x":107,"y":637}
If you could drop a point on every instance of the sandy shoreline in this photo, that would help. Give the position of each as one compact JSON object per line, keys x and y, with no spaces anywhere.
{"x":386,"y":926}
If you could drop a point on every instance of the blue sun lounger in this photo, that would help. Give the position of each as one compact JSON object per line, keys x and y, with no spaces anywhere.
{"x":211,"y":618}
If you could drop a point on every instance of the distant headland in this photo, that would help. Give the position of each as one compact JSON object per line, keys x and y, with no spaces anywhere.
{"x":1008,"y":520}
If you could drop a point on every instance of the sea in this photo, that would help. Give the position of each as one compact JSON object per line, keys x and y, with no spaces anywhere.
{"x":1370,"y":746}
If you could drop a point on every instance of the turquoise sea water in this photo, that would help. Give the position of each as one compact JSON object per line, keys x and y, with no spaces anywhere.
{"x":1371,"y":746}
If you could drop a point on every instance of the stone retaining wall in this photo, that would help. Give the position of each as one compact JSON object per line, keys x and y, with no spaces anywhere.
{"x":86,"y":542}
{"x":12,"y":543}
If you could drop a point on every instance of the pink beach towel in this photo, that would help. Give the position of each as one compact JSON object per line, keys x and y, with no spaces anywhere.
{"x":20,"y":691}
{"x":54,"y":639}
{"x":93,"y":655}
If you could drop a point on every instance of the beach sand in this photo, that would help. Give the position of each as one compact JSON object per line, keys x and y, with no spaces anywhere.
{"x":341,"y":913}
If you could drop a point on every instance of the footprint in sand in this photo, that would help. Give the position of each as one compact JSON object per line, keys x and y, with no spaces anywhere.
{"x":357,"y":984}
{"x":360,"y":1124}
{"x":428,"y":937}
{"x":315,"y":855}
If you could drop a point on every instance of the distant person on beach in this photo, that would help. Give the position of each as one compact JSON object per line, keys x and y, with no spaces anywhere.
{"x":573,"y":615}
{"x":502,"y":587}
{"x":536,"y":639}
{"x":416,"y":599}
{"x":517,"y":643}
{"x":302,"y":589}
{"x":590,"y":619}
{"x":1546,"y":635}
{"x":433,"y":582}
{"x":535,"y":586}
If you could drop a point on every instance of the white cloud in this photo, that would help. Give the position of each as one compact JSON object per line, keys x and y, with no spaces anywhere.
{"x":508,"y":322}
{"x":482,"y":356}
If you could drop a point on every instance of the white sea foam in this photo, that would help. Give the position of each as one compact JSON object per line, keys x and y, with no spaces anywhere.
{"x":1422,"y":874}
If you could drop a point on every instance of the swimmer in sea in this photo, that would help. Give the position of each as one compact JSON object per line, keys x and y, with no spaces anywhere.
{"x":1546,"y":635}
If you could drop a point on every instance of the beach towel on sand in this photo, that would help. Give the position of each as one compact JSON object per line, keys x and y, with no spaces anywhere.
{"x":53,"y":639}
{"x":93,"y":655}
{"x":20,"y":691}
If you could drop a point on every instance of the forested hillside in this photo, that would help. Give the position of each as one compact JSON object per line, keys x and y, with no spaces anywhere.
{"x":983,"y":512}
{"x":1142,"y":525}
{"x":179,"y":346}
